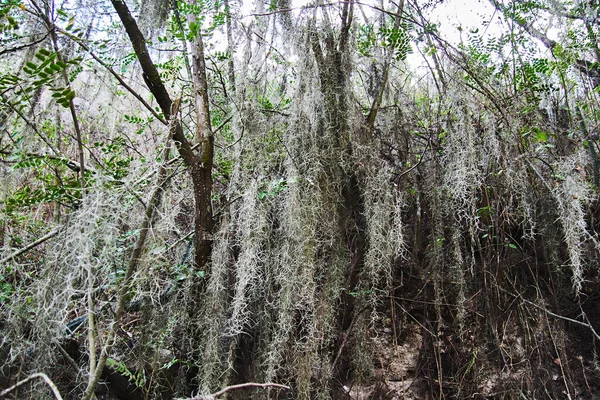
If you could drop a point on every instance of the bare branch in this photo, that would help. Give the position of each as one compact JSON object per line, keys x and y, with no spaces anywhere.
{"x":239,"y":386}
{"x":41,"y":375}
{"x":30,"y":246}
{"x":25,"y":46}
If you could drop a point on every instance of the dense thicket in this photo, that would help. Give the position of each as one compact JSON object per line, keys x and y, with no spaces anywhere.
{"x":331,"y":199}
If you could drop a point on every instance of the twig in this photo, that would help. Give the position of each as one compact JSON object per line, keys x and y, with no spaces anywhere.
{"x":67,"y":357}
{"x":24,"y":46}
{"x":345,"y":337}
{"x":48,"y":381}
{"x":46,"y":18}
{"x":239,"y":386}
{"x":30,"y":123}
{"x":30,"y":246}
{"x":72,"y":165}
{"x":115,"y":75}
{"x":414,"y":166}
{"x":544,"y":309}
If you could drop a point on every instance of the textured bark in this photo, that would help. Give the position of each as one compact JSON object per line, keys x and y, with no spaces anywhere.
{"x":202,"y":171}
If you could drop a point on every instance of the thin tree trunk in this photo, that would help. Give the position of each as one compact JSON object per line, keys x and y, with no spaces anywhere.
{"x":202,"y":173}
{"x":199,"y":166}
{"x":386,"y":69}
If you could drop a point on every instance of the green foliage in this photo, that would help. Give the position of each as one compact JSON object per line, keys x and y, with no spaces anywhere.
{"x":273,"y":188}
{"x":68,"y":19}
{"x":54,"y":182}
{"x":63,"y":96}
{"x":143,"y":122}
{"x":8,"y":21}
{"x":520,"y":10}
{"x":211,"y":10}
{"x":35,"y":75}
{"x":115,"y":161}
{"x":127,"y":61}
{"x":50,"y":188}
{"x":273,"y":98}
{"x":362,"y":293}
{"x":6,"y":288}
{"x":171,"y":69}
{"x":366,"y":39}
{"x":139,"y":379}
{"x":397,"y":40}
{"x":481,"y":51}
{"x":190,"y":8}
{"x":183,"y":272}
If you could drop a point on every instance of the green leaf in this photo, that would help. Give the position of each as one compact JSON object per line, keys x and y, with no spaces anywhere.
{"x":194,"y":29}
{"x":541,"y":136}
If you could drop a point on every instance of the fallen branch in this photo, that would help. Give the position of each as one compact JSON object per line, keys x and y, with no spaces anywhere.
{"x":239,"y":386}
{"x":30,"y":246}
{"x":48,"y":381}
{"x":574,"y":321}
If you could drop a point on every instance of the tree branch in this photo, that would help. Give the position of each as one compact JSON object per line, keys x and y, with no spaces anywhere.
{"x":25,"y":46}
{"x":386,"y":69}
{"x":588,"y":68}
{"x":48,"y":21}
{"x":115,"y":74}
{"x":239,"y":386}
{"x":41,"y":375}
{"x":152,"y":78}
{"x":30,"y":246}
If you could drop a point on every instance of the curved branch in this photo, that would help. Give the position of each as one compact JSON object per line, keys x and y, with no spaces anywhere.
{"x":41,"y":375}
{"x":239,"y":386}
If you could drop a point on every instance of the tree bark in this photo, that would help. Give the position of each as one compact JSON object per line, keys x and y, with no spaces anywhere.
{"x":202,"y":172}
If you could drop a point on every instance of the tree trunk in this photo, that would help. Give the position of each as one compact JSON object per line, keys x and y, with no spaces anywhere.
{"x":199,"y":166}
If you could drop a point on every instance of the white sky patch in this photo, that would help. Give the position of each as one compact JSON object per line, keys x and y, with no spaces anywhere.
{"x":456,"y":19}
